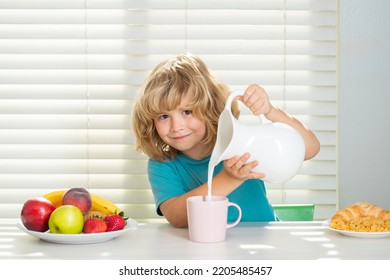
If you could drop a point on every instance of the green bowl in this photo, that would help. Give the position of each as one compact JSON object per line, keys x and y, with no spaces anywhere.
{"x":294,"y":212}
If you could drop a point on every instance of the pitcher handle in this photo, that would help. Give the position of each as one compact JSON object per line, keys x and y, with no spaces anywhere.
{"x":230,"y":100}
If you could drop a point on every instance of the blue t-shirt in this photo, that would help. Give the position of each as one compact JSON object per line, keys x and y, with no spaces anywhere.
{"x":173,"y":178}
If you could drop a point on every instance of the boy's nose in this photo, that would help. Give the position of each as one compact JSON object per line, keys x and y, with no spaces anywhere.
{"x":177,"y":124}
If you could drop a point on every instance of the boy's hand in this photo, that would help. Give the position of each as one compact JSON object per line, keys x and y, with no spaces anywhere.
{"x":256,"y":99}
{"x":238,"y":168}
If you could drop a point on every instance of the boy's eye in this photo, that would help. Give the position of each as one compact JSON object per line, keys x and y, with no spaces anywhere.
{"x":187,"y":112}
{"x":162,"y":117}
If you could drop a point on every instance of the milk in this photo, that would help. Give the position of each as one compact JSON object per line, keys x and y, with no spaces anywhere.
{"x":214,"y":160}
{"x":209,"y":180}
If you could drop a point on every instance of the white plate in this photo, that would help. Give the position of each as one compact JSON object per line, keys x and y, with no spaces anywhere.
{"x":356,"y":233}
{"x":79,"y":238}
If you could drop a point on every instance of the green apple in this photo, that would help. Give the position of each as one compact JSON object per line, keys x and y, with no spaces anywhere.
{"x":66,"y":219}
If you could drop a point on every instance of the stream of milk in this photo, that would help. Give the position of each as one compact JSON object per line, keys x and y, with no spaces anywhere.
{"x":212,"y":164}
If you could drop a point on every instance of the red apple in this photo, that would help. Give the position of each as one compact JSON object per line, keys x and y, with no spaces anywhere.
{"x":36,"y":212}
{"x":78,"y":197}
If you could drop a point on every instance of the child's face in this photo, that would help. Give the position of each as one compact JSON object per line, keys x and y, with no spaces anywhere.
{"x":181,"y":130}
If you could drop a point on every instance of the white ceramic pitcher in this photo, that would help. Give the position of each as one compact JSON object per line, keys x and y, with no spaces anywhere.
{"x":278,"y":147}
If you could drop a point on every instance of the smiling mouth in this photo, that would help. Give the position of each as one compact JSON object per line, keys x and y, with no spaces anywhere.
{"x":180,"y":137}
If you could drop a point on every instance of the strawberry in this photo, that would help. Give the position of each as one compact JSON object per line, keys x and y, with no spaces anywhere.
{"x":115,"y":221}
{"x":94,"y":225}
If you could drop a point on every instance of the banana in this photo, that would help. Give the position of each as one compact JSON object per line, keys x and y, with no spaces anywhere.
{"x":103,"y":205}
{"x":99,"y":203}
{"x":55,"y":197}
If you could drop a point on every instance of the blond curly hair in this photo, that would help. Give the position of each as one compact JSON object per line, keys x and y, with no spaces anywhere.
{"x":163,"y":90}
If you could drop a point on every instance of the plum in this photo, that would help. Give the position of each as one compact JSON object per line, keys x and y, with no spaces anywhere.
{"x":79,"y":197}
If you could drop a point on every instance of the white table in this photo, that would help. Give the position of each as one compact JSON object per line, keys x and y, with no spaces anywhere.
{"x":268,"y":241}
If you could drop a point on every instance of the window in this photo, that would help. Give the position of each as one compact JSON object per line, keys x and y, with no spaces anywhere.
{"x":69,"y":71}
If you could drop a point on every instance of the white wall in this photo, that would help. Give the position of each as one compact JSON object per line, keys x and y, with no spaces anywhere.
{"x":364,"y":102}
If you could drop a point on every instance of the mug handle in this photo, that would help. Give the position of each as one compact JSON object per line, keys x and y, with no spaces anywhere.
{"x":239,"y":215}
{"x":230,"y":99}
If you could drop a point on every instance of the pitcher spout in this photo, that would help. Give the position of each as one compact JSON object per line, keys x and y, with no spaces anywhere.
{"x":225,"y":134}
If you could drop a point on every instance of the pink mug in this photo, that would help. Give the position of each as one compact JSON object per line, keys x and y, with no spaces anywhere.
{"x":207,"y":219}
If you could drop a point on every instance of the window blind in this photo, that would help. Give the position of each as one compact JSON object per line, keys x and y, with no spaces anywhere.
{"x":70,"y":70}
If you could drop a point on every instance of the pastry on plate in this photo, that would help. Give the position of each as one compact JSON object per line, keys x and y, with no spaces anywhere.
{"x":362,"y":217}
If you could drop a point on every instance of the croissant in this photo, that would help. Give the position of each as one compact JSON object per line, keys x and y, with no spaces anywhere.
{"x":362,"y":216}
